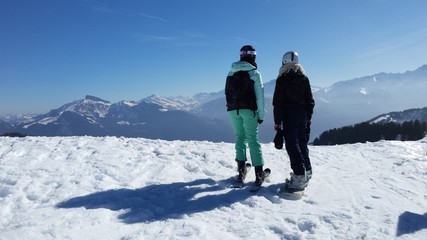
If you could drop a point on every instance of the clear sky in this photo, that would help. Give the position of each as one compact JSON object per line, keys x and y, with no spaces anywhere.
{"x":56,"y":51}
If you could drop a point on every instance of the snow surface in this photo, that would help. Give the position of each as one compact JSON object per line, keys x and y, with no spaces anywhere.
{"x":382,"y":119}
{"x":134,"y":188}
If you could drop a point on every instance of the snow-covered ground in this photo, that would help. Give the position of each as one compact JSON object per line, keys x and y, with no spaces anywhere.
{"x":128,"y":188}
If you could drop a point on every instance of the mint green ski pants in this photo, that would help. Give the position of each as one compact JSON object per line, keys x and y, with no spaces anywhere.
{"x":245,"y":126}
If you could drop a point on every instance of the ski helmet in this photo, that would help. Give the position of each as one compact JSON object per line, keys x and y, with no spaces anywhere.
{"x":289,"y":57}
{"x":248,"y":51}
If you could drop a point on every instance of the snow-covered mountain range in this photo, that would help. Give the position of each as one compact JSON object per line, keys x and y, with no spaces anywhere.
{"x":419,"y":114}
{"x":360,"y":99}
{"x":97,"y":117}
{"x":203,"y":116}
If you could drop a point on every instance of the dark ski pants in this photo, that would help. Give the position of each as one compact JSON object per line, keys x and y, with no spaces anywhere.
{"x":294,"y":132}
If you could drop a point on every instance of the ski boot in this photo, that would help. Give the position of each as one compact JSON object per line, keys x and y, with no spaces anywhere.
{"x":259,"y":175}
{"x":242,"y":168}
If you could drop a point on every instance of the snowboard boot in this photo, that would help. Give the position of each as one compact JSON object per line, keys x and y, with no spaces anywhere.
{"x":259,"y":175}
{"x":296,"y":183}
{"x":241,"y":168}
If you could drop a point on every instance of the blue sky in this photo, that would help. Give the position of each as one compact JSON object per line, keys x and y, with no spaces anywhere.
{"x":56,"y":51}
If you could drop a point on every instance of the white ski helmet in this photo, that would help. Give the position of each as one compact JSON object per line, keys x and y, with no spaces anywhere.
{"x":289,"y":57}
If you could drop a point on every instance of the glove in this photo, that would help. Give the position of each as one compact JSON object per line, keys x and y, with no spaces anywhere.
{"x":278,"y":139}
{"x":260,"y":121}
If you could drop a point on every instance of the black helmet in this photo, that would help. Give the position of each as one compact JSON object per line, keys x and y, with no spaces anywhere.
{"x":248,"y":51}
{"x":248,"y":54}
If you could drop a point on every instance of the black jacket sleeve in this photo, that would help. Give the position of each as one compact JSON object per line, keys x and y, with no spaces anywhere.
{"x":309,"y":100}
{"x":277,"y":101}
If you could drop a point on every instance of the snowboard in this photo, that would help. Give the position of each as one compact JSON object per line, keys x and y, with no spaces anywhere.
{"x":290,"y":194}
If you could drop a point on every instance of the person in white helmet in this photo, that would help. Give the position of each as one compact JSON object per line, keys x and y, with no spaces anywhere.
{"x":293,"y":105}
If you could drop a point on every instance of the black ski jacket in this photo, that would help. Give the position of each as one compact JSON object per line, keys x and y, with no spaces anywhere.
{"x":292,"y":90}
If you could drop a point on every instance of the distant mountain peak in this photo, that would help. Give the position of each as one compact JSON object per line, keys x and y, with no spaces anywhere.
{"x":95,"y":99}
{"x":422,"y":68}
{"x":91,"y":107}
{"x":172,"y":103}
{"x":154,"y":96}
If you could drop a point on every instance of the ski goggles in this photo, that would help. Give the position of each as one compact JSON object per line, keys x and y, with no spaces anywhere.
{"x":248,"y":52}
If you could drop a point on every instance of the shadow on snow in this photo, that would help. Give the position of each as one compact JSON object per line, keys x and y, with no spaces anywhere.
{"x":410,"y":223}
{"x":161,"y":201}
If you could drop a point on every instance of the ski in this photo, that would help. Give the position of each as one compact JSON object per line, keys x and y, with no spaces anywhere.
{"x":255,"y":189}
{"x":238,"y":185}
{"x":266,"y":175}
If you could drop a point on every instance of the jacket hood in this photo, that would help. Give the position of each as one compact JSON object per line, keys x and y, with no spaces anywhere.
{"x":241,"y":66}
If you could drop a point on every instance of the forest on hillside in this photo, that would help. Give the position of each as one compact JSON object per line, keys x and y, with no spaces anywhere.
{"x":373,"y":132}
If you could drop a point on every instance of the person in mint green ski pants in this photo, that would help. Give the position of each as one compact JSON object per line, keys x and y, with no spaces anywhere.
{"x":245,"y":126}
{"x":244,"y":92}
